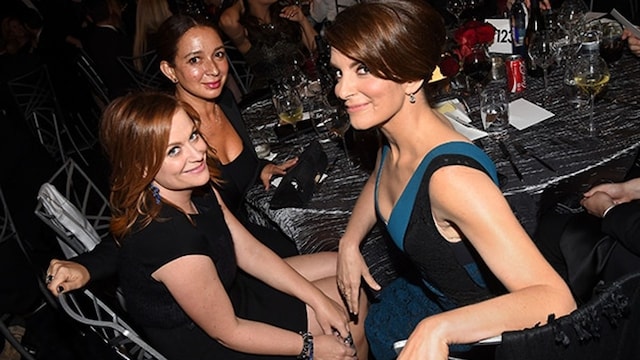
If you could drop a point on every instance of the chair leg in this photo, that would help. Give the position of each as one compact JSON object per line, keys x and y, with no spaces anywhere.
{"x":4,"y":330}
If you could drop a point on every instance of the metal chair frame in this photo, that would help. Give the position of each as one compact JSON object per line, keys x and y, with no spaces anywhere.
{"x":83,"y":305}
{"x":86,"y":68}
{"x":36,"y":99}
{"x":150,"y":78}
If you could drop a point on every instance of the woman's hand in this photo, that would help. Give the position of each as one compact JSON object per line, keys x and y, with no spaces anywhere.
{"x":332,"y":347}
{"x":271,"y":170}
{"x":293,"y":13}
{"x":332,"y":317}
{"x":351,"y":268}
{"x":424,"y":343}
{"x":63,"y":276}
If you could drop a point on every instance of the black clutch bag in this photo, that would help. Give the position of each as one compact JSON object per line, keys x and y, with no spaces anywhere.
{"x":297,"y":186}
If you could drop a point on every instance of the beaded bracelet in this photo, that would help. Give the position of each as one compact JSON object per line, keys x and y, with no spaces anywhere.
{"x":307,"y":346}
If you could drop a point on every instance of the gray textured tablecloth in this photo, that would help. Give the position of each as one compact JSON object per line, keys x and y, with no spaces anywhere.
{"x":562,"y":141}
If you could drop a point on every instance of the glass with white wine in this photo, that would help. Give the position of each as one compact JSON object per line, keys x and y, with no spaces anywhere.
{"x":591,"y":75}
{"x":289,"y":107}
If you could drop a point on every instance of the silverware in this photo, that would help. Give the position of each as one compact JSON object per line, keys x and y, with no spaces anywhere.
{"x":507,"y":155}
{"x":523,"y":151}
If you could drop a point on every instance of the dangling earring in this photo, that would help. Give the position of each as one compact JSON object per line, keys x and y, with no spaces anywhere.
{"x":412,"y":96}
{"x":156,"y":193}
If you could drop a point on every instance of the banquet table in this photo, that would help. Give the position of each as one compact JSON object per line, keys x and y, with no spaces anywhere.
{"x":579,"y":161}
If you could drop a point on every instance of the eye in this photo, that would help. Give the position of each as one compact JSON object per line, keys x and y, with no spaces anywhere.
{"x":194,"y":60}
{"x":220,"y":54}
{"x":174,"y":151}
{"x":337,"y":74}
{"x":362,"y":69}
{"x":195,"y":136}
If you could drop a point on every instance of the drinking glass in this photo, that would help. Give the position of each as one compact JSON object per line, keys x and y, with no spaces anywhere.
{"x":456,"y":7}
{"x":289,"y":107}
{"x":542,"y":51}
{"x":477,"y":66}
{"x":611,"y":43}
{"x":591,"y":76}
{"x":337,"y":125}
{"x":494,"y":110}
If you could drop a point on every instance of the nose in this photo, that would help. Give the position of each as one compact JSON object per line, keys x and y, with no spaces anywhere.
{"x":212,"y":68}
{"x":343,"y":88}
{"x":196,"y":149}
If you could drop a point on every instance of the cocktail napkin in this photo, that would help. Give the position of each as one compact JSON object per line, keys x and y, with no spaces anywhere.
{"x":523,"y":113}
{"x":455,"y":112}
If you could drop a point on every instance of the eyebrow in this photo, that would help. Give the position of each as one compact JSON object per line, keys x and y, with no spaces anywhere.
{"x":170,"y":145}
{"x":199,"y":51}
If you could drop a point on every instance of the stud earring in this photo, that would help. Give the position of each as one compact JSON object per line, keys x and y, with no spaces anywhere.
{"x":412,"y":98}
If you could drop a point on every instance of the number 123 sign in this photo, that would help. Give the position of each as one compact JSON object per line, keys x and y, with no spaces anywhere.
{"x":502,"y":38}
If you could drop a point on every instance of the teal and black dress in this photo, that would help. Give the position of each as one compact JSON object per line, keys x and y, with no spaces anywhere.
{"x":448,"y":275}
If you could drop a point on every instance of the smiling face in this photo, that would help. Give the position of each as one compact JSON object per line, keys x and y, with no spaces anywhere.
{"x":369,"y":100}
{"x":184,"y":166}
{"x":200,"y":65}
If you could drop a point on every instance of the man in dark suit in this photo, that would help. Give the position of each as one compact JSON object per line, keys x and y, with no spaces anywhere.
{"x":104,"y":43}
{"x":602,"y":243}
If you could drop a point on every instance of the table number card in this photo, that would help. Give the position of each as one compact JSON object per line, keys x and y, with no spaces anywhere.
{"x":502,"y":38}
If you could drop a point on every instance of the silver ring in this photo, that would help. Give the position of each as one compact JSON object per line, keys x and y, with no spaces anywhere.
{"x":48,"y":279}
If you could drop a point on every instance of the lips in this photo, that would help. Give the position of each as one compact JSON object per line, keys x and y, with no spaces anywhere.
{"x":198,"y":169}
{"x":213,"y":85}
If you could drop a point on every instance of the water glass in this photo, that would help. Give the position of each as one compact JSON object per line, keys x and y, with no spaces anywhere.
{"x":494,"y":110}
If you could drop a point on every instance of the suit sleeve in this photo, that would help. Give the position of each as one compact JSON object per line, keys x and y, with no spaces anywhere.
{"x":623,"y":224}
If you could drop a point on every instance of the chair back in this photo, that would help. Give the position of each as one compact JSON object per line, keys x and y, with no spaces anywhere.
{"x":603,"y":328}
{"x":36,"y":99}
{"x":86,"y":308}
{"x":144,"y":71}
{"x":79,"y":214}
{"x":75,"y":208}
{"x":86,"y":69}
{"x":239,"y":69}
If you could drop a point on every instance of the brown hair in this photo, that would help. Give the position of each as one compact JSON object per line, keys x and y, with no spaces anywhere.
{"x":398,"y":40}
{"x":172,"y":30}
{"x":134,"y":134}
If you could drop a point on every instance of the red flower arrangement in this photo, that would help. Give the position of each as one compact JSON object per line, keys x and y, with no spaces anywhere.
{"x":466,"y":37}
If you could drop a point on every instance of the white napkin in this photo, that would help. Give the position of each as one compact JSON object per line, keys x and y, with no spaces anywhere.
{"x":455,"y":112}
{"x":523,"y":113}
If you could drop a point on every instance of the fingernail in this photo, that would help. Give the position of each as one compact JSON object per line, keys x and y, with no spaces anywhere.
{"x":60,"y":289}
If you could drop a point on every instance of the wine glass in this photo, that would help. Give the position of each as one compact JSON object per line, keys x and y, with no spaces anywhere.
{"x":337,"y":125}
{"x":289,"y":107}
{"x":591,"y":76}
{"x":542,"y":51}
{"x":611,"y":43}
{"x":456,"y":7}
{"x":477,"y":66}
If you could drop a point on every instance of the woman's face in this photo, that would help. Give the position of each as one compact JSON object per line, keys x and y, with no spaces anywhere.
{"x":369,"y":100}
{"x":201,"y":66}
{"x":184,"y":166}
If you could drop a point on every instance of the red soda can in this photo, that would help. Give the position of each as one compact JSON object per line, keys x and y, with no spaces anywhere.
{"x":516,"y":73}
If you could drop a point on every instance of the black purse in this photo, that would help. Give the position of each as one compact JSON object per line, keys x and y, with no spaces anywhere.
{"x":297,"y":186}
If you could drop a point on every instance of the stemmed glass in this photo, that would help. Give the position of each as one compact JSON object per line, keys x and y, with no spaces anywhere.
{"x":289,"y":107}
{"x":591,"y":76}
{"x":456,"y":7}
{"x":611,"y":43}
{"x":337,"y":125}
{"x":477,"y":66}
{"x":543,"y":52}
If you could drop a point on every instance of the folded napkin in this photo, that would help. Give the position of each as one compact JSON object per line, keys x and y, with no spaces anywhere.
{"x":456,"y":113}
{"x":297,"y":186}
{"x":523,"y":113}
